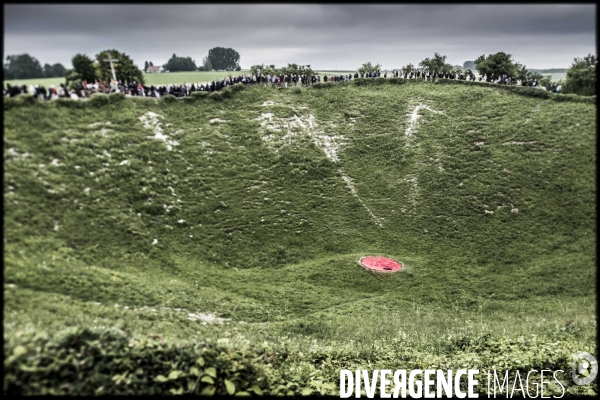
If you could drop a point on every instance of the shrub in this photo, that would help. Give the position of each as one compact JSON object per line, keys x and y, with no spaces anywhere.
{"x":238,"y":86}
{"x":116,"y":97}
{"x":169,"y":98}
{"x":324,"y":85}
{"x":226,"y":93}
{"x":22,"y":100}
{"x":99,"y":100}
{"x":82,"y":362}
{"x":69,"y":103}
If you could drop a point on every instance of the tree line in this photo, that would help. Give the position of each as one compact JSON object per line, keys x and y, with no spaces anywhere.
{"x":23,"y":66}
{"x":580,"y":77}
{"x":218,"y":58}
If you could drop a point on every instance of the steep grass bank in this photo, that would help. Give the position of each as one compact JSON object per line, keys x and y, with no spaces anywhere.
{"x":252,"y":210}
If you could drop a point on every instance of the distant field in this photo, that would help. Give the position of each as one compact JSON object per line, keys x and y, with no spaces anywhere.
{"x":36,"y":81}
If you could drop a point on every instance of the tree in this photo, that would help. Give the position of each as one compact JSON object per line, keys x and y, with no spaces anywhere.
{"x":54,"y":71}
{"x":84,"y":66}
{"x":497,"y":64}
{"x":522,"y":74}
{"x":22,"y":66}
{"x":48,"y":71}
{"x":59,"y":70}
{"x":408,"y":68}
{"x":146,"y":65}
{"x":223,"y":58}
{"x":469,"y":65}
{"x":254,"y":70}
{"x":150,"y":64}
{"x":581,"y":77}
{"x":207,"y":64}
{"x":437,"y":63}
{"x":73,"y":78}
{"x":125,"y":69}
{"x":176,"y":64}
{"x":367,"y":68}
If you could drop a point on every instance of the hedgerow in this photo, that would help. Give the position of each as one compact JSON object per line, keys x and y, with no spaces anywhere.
{"x":111,"y":362}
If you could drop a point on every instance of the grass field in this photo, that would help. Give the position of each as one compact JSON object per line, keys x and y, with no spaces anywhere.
{"x":267,"y":199}
{"x":155,"y":78}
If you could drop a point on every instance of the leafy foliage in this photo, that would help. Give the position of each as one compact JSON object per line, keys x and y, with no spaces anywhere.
{"x":110,"y":362}
{"x":497,"y":64}
{"x":291,"y":69}
{"x":52,"y":71}
{"x":224,"y":59}
{"x":469,"y":65}
{"x":84,"y":67}
{"x":22,"y":66}
{"x":177,"y":64}
{"x":125,"y":69}
{"x":367,"y":68}
{"x":437,"y":63}
{"x":581,"y":77}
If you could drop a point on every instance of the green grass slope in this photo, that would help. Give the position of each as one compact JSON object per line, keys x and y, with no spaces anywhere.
{"x":246,"y":223}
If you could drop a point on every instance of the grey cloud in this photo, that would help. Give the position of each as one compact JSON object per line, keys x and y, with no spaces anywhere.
{"x":320,"y":35}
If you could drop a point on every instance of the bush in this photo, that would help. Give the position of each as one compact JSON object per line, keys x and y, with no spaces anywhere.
{"x":116,"y":97}
{"x":575,"y":98}
{"x":324,"y":85}
{"x":69,"y":103}
{"x":169,"y":98}
{"x":238,"y":86}
{"x":81,"y":362}
{"x":226,"y":93}
{"x":369,"y":81}
{"x":21,"y":100}
{"x":99,"y":100}
{"x":581,"y":77}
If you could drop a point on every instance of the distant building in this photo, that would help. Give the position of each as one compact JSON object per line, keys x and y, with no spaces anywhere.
{"x":154,"y":68}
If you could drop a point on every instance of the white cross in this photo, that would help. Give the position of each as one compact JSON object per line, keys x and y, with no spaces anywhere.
{"x":112,"y":67}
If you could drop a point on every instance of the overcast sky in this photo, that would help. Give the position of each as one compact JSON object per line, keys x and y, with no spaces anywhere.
{"x":324,"y":36}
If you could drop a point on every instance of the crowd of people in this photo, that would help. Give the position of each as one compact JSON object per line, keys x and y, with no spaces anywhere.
{"x":85,"y":89}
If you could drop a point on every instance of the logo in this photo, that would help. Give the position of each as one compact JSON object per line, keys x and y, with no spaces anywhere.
{"x":585,"y":368}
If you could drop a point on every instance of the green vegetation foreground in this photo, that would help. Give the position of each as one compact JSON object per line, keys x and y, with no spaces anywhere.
{"x":210,"y":245}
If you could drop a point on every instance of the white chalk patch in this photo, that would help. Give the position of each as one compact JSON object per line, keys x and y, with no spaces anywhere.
{"x":414,"y":117}
{"x":151,"y":121}
{"x":353,"y":190}
{"x":219,"y":120}
{"x":154,"y":241}
{"x":488,"y":211}
{"x":208,"y":318}
{"x":296,"y":126}
{"x":104,"y":131}
{"x":95,"y":124}
{"x":181,"y":221}
{"x":518,"y":143}
{"x":86,"y":190}
{"x":268,"y":103}
{"x":479,"y":143}
{"x":413,"y":192}
{"x":124,"y":162}
{"x":56,"y":226}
